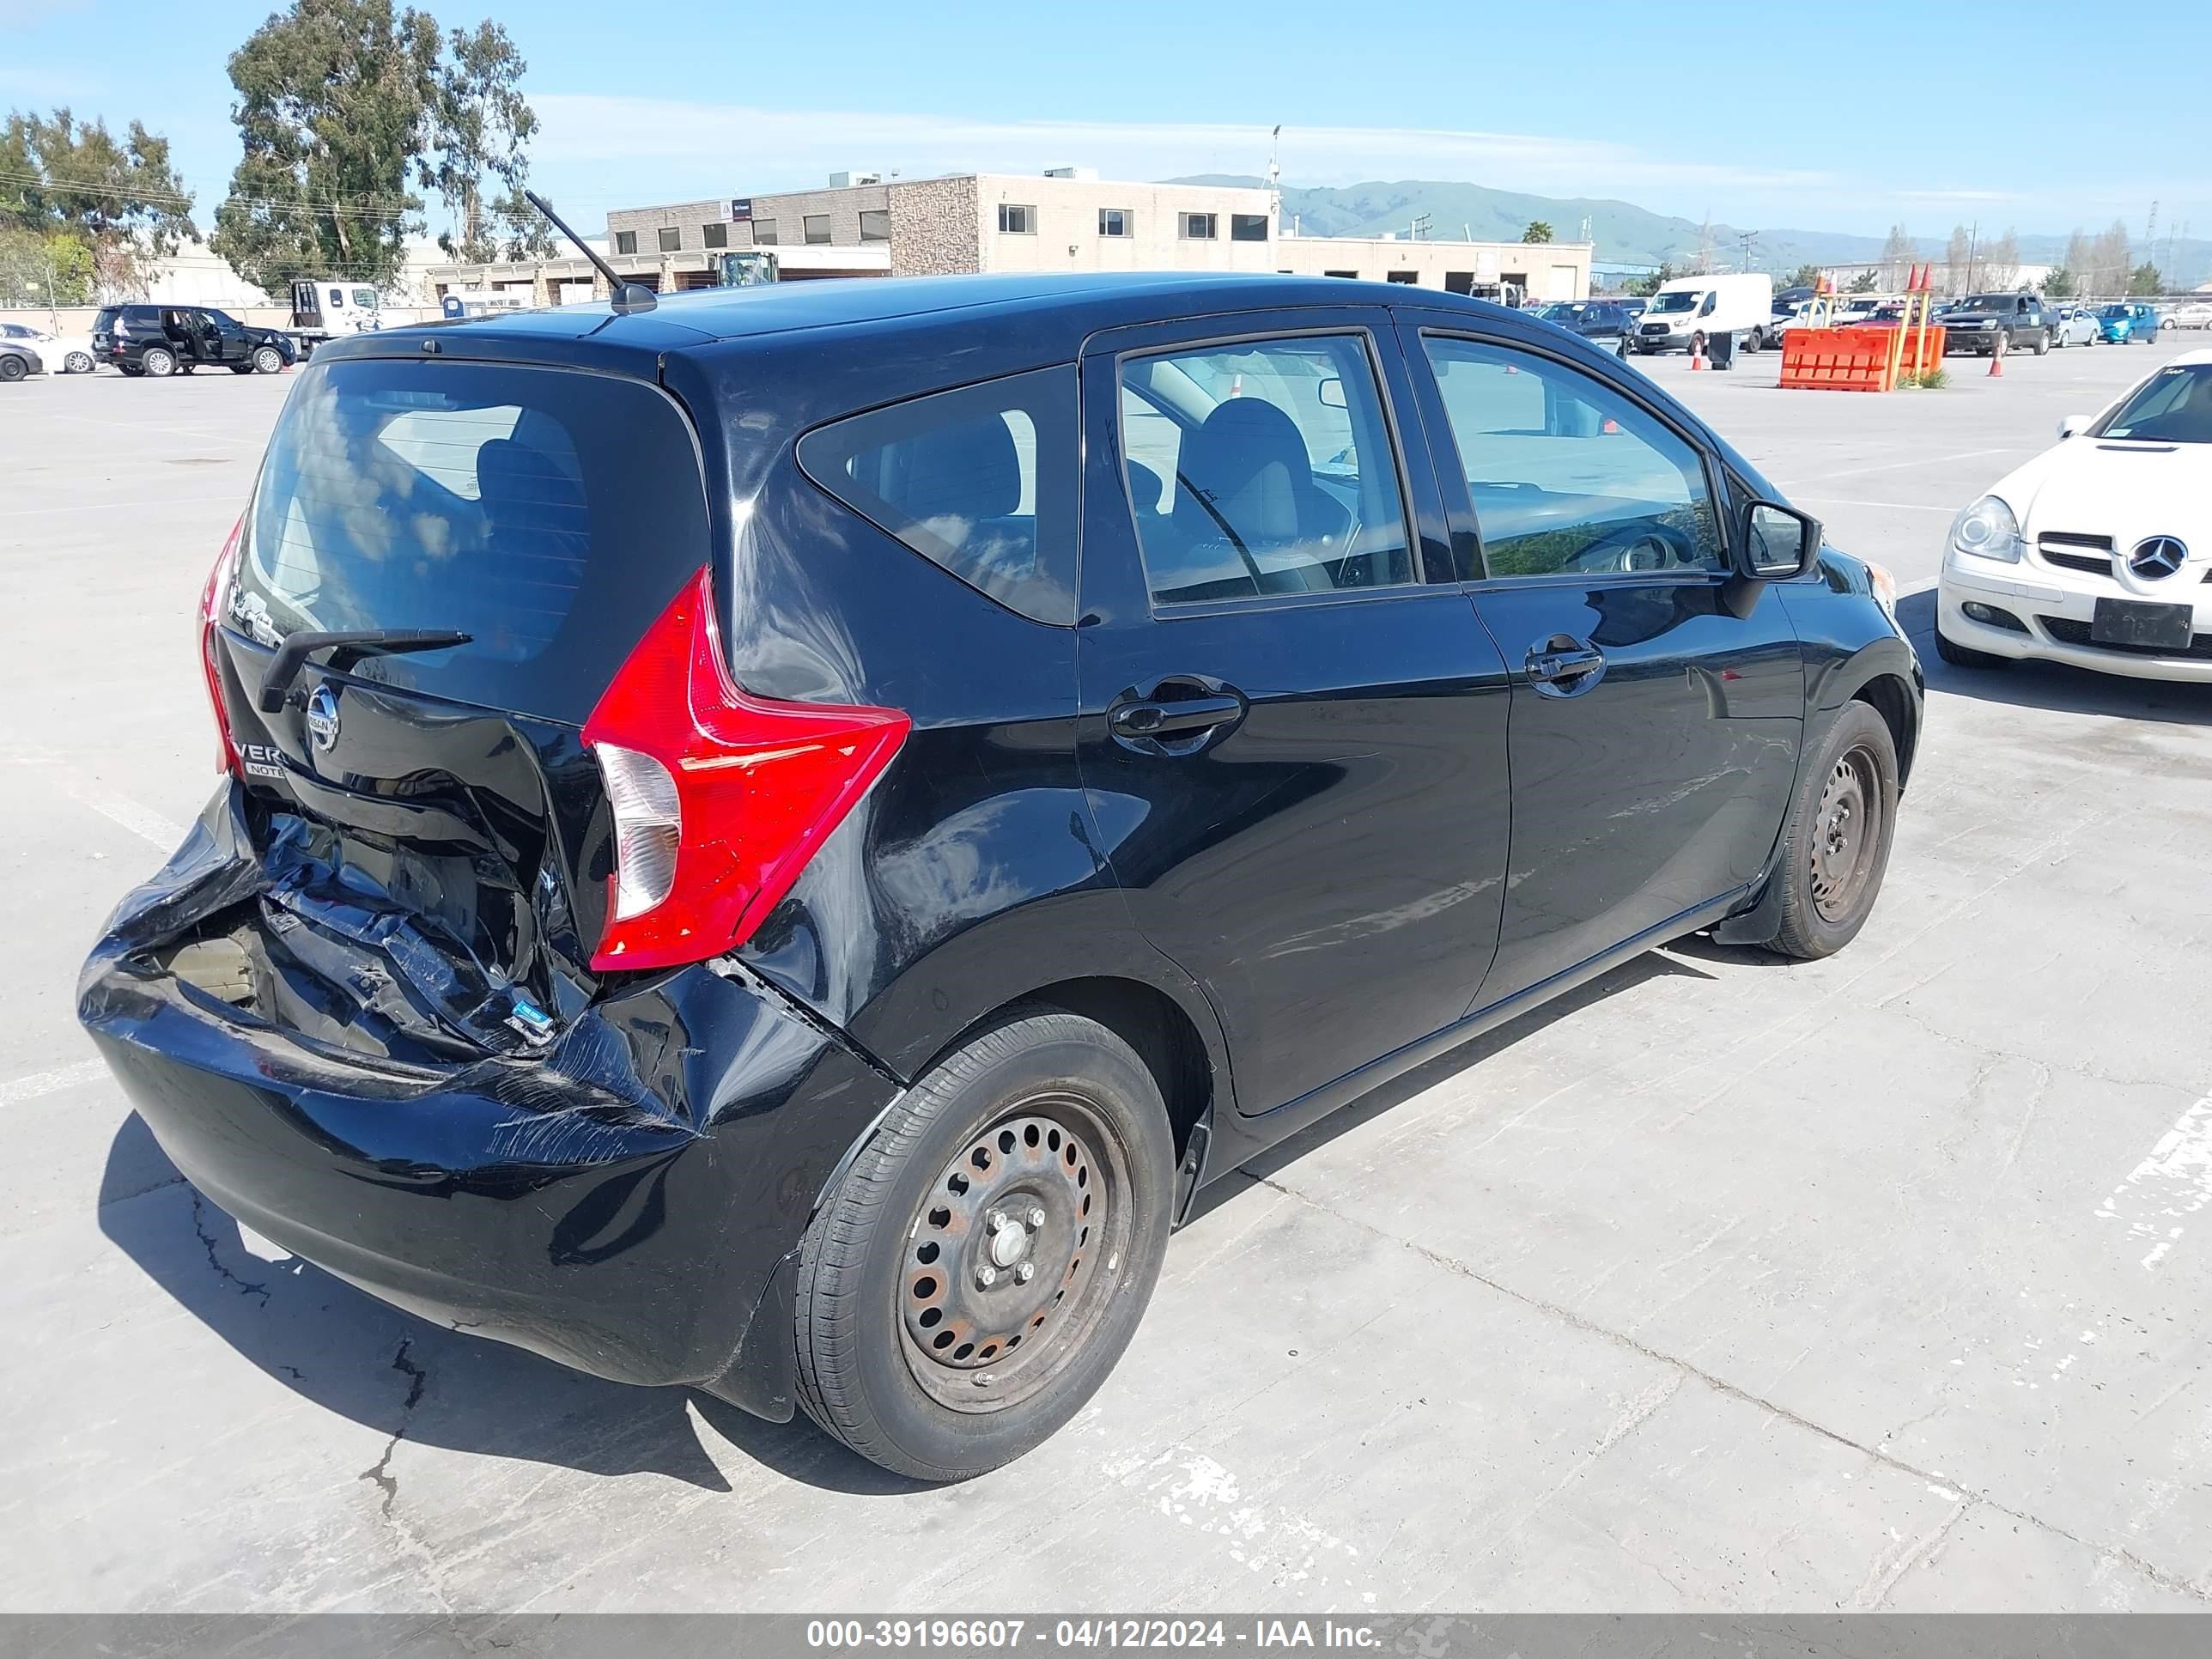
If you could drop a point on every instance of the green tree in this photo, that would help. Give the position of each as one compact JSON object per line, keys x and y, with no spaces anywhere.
{"x":481,"y":128}
{"x":56,"y":269}
{"x":1866,"y":282}
{"x":1648,"y":285}
{"x":117,"y":202}
{"x":1805,"y":276}
{"x":2059,"y":284}
{"x":1538,"y":231}
{"x":2144,"y":282}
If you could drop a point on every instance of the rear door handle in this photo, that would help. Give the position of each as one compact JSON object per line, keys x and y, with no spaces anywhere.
{"x":1563,"y":666}
{"x":1179,"y":718}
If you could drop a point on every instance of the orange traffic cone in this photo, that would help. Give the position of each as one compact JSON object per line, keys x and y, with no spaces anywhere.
{"x":1696,"y":351}
{"x":1996,"y":359}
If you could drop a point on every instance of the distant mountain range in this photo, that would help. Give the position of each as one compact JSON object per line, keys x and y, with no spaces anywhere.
{"x":1625,"y":233}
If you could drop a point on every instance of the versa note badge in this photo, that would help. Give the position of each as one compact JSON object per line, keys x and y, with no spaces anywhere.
{"x":2157,"y":557}
{"x":323,"y":716}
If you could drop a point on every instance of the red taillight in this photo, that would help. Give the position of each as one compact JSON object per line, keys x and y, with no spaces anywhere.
{"x":211,"y":603}
{"x":719,"y":798}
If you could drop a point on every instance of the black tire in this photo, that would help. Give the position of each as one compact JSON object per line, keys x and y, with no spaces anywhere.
{"x":12,"y":368}
{"x":899,"y":1249}
{"x":267,"y":360}
{"x":1963,"y":656}
{"x":2042,"y":343}
{"x":133,"y":370}
{"x":1832,"y":857}
{"x":241,"y":368}
{"x":160,"y":363}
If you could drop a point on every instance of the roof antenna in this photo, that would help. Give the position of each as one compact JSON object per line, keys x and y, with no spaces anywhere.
{"x":625,"y":297}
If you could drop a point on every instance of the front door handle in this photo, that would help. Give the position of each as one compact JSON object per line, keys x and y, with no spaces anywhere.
{"x":1563,"y":666}
{"x":1177,"y":719}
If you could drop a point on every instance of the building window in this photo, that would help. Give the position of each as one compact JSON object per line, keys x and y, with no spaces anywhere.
{"x":715,"y":235}
{"x":672,"y":239}
{"x":875,"y":224}
{"x":1015,"y":220}
{"x":763,"y":233}
{"x":625,"y":241}
{"x":817,"y":229}
{"x":1115,"y":222}
{"x":1197,"y":227}
{"x":1248,"y":227}
{"x":1407,"y":276}
{"x":1351,"y":275}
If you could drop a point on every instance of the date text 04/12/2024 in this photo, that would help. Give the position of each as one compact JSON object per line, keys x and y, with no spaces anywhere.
{"x":986,"y":1635}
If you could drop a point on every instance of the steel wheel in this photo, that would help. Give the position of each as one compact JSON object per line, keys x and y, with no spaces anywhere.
{"x":1014,"y":1255}
{"x":1846,"y":834}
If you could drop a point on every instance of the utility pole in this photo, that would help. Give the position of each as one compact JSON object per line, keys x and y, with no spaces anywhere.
{"x":1749,"y":238}
{"x":1420,"y":227}
{"x":1275,"y":177}
{"x":1974,"y":245}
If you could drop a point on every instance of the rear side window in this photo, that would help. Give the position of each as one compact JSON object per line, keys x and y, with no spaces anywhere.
{"x":549,"y":514}
{"x":980,"y":482}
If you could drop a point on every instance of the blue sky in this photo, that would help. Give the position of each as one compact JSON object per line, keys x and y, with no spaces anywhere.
{"x":691,"y":100}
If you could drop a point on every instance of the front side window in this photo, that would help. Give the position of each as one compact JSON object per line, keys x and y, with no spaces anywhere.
{"x":1568,"y":477}
{"x":716,"y":234}
{"x":817,"y":227}
{"x":1015,"y":220}
{"x":980,"y":481}
{"x":1247,"y":227}
{"x":1197,"y":227}
{"x":625,"y":242}
{"x":672,"y":239}
{"x":1262,"y":468}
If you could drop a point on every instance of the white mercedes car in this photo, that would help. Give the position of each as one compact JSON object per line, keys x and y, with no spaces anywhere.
{"x":2099,"y":551}
{"x":64,"y":354}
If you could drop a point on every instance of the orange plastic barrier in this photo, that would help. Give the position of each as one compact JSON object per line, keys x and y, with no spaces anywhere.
{"x":1847,"y":359}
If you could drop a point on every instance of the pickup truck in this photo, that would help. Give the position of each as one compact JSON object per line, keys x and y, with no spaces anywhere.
{"x":1982,"y":323}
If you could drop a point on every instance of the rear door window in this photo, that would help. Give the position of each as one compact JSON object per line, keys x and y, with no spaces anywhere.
{"x":980,"y":481}
{"x":549,"y":514}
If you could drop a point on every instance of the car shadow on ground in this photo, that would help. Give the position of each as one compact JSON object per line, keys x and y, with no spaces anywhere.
{"x":1652,"y":964}
{"x":2050,"y":684}
{"x":420,"y":1382}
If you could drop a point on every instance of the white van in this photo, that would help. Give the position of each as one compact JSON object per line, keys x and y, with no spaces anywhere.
{"x":1690,"y":306}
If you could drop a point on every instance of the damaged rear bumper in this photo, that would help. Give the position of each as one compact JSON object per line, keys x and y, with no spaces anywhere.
{"x":620,"y":1203}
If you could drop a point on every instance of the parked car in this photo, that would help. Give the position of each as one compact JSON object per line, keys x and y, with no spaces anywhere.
{"x":1599,"y":321}
{"x":2097,"y":552}
{"x":2075,"y":326}
{"x":1983,"y":323}
{"x":2197,"y":313}
{"x":67,"y":354}
{"x":728,"y":933}
{"x":18,"y":361}
{"x":1691,"y":310}
{"x":2125,"y":322}
{"x":160,"y":341}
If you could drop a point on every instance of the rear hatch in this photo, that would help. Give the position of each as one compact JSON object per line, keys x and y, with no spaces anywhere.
{"x":489,"y":542}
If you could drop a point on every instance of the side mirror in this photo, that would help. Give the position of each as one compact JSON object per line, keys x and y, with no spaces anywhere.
{"x":1331,"y":393}
{"x":2070,"y":425}
{"x":1777,"y":542}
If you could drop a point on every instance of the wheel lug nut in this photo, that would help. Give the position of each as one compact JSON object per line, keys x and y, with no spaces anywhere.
{"x":1026,"y":1271}
{"x":1037,"y":1217}
{"x":987,"y":1275}
{"x":995,"y":1220}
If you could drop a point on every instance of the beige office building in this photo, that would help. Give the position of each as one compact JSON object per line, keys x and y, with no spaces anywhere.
{"x":1065,"y":219}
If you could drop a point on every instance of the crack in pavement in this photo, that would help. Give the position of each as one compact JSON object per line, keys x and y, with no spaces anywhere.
{"x":208,"y":1243}
{"x":380,"y":1471}
{"x":2197,"y":1589}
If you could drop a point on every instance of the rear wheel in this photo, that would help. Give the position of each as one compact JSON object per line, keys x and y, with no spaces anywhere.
{"x":160,"y":363}
{"x":241,"y":368}
{"x":1835,"y":845}
{"x":267,"y":360}
{"x":975,"y":1275}
{"x":77,"y":362}
{"x":2043,"y":342}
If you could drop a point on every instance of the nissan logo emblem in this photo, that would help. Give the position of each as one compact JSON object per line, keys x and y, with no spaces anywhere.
{"x":2157,"y":557}
{"x":323,"y":716}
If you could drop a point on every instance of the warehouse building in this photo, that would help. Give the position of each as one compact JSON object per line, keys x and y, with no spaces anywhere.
{"x":864,"y":224}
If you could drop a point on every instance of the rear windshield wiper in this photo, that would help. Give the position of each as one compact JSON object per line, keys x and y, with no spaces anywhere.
{"x":346,"y":646}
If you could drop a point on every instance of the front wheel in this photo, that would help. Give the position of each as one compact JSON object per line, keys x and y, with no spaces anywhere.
{"x":1835,"y":846}
{"x":267,"y":360}
{"x":159,"y":362}
{"x":12,"y":368}
{"x":975,"y":1275}
{"x":77,"y":362}
{"x":1964,"y":656}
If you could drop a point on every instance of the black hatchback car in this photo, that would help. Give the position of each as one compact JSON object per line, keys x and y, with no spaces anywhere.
{"x":775,"y":843}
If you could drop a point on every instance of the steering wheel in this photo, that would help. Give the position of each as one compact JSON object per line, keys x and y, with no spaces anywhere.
{"x":1639,"y":548}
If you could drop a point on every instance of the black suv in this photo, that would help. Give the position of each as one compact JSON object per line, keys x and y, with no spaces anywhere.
{"x":775,"y":843}
{"x":164,"y":340}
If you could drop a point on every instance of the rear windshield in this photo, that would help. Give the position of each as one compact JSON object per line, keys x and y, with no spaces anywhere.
{"x":549,"y":514}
